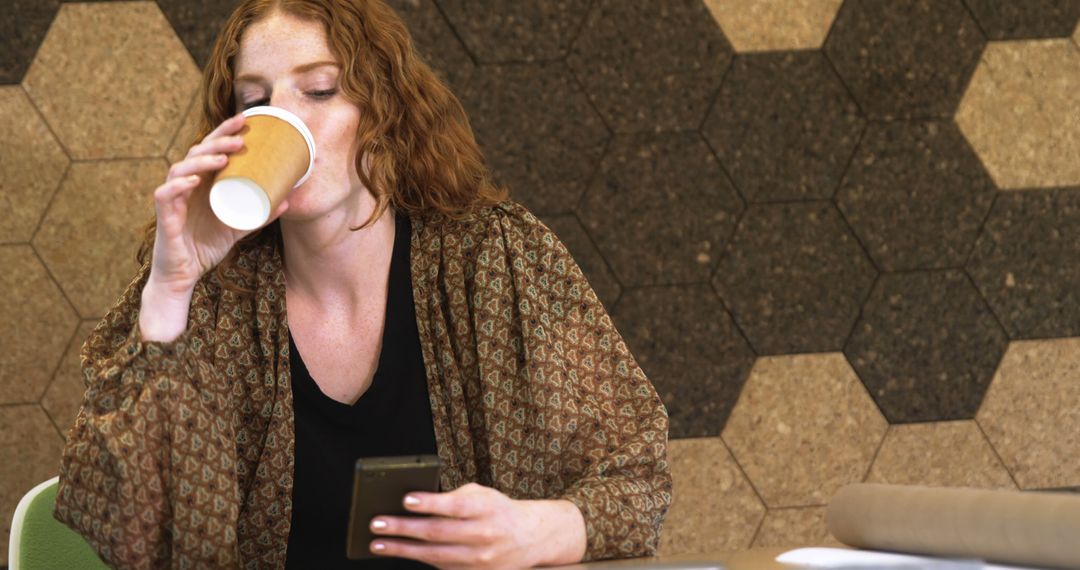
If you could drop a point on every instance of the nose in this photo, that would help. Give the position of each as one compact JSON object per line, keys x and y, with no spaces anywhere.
{"x":287,"y":102}
{"x":280,"y":101}
{"x":292,"y":103}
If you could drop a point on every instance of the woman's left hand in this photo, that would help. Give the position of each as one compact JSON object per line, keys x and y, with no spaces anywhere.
{"x":479,"y":527}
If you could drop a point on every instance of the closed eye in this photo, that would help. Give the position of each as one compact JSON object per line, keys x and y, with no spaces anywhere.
{"x":255,"y":103}
{"x":317,"y":95}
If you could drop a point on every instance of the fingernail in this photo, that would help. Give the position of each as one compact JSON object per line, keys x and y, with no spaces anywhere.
{"x":378,"y":524}
{"x":378,"y":547}
{"x":193,"y":178}
{"x":411,"y":500}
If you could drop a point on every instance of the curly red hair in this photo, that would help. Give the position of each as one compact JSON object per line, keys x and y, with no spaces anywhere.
{"x":422,"y":153}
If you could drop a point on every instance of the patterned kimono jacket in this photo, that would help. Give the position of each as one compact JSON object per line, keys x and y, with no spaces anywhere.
{"x":182,"y":453}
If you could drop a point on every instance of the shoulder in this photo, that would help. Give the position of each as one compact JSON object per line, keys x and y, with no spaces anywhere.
{"x":252,"y":264}
{"x":506,"y":225}
{"x":503,"y":244}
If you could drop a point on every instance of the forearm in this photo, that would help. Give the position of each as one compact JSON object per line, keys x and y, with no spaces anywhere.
{"x":559,"y":532}
{"x":143,"y":454}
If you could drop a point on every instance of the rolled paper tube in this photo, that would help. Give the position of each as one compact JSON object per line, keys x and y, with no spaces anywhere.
{"x":1009,"y":527}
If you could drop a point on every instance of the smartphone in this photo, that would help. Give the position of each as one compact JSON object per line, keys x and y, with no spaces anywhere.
{"x":379,"y":487}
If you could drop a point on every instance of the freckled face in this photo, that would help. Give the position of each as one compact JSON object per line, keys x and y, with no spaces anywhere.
{"x":286,"y":62}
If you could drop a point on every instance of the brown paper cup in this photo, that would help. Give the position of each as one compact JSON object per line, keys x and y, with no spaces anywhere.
{"x":278,"y":155}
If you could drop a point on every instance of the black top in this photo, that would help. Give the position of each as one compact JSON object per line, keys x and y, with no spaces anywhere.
{"x":393,"y":417}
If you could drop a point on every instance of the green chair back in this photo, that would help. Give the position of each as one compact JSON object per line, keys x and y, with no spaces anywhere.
{"x":40,"y":542}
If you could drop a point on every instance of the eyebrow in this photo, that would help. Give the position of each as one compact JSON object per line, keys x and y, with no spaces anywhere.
{"x":255,"y":78}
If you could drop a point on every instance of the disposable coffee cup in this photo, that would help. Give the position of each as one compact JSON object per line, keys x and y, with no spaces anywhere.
{"x":278,"y":155}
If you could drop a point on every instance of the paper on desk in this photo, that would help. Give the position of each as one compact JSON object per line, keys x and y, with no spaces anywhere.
{"x":840,"y":558}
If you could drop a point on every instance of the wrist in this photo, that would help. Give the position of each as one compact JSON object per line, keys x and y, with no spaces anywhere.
{"x":163,"y":312}
{"x":557,"y":533}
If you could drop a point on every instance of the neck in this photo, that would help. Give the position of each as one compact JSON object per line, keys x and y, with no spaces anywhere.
{"x":329,"y":263}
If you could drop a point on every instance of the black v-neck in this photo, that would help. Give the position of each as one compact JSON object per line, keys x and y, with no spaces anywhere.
{"x":393,"y":417}
{"x":397,"y":322}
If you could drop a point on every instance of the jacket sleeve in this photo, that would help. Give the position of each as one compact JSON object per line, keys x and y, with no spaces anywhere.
{"x":615,"y":465}
{"x":148,"y":472}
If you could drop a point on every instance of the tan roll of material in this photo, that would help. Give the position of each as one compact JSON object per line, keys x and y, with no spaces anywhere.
{"x":1010,"y":527}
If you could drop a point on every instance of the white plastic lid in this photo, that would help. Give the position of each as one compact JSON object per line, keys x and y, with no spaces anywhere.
{"x":294,"y":121}
{"x":240,"y":203}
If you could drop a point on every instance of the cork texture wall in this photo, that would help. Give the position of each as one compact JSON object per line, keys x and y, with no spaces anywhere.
{"x":842,"y":237}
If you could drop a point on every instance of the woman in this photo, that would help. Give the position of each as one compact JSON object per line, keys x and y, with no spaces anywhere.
{"x":398,"y":303}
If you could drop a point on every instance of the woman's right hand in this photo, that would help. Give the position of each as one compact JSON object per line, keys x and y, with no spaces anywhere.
{"x":190,"y":240}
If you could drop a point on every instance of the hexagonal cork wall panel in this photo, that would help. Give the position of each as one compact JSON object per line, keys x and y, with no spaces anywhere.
{"x":1030,"y":414}
{"x":65,"y":394}
{"x":650,"y":65}
{"x":926,"y":346}
{"x":1022,"y":115}
{"x":916,"y":195}
{"x":1027,"y":19}
{"x":29,"y":437}
{"x":882,"y":51}
{"x":31,"y":166}
{"x":939,"y":454}
{"x":1024,"y":263}
{"x":804,"y":427}
{"x":185,"y":136}
{"x":596,"y":270}
{"x":687,"y":345}
{"x":540,"y":135}
{"x":713,"y":507}
{"x":93,"y":229}
{"x":511,"y":30}
{"x":660,"y":209}
{"x":23,"y":24}
{"x":436,"y":41}
{"x":784,"y":126}
{"x":198,"y":22}
{"x":752,"y":25}
{"x":182,"y":140}
{"x":794,"y":278}
{"x":112,"y":79}
{"x":45,"y":324}
{"x":792,"y":528}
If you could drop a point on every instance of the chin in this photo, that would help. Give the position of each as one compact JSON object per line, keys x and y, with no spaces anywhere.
{"x":300,"y":206}
{"x":298,"y":212}
{"x":307,"y":204}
